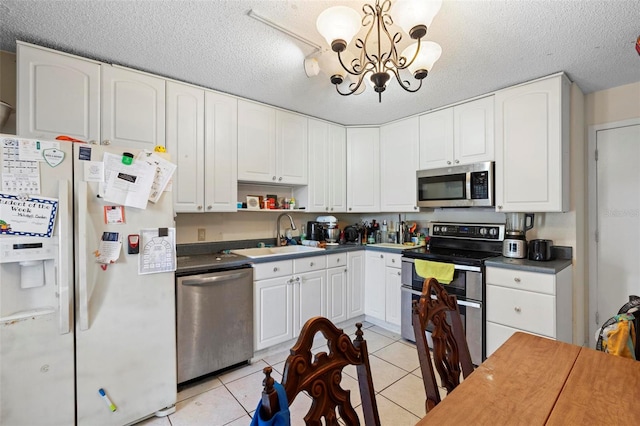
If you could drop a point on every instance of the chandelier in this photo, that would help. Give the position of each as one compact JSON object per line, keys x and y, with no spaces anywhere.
{"x":377,"y":60}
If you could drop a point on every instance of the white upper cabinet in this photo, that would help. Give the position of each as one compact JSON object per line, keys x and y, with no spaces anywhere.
{"x":532,"y":146}
{"x":327,"y":189}
{"x":272,"y":145}
{"x":185,"y":145}
{"x":463,"y":134}
{"x":363,"y":170}
{"x":202,"y":141}
{"x":133,"y":108}
{"x":398,"y":164}
{"x":221,"y":152}
{"x":58,"y":94}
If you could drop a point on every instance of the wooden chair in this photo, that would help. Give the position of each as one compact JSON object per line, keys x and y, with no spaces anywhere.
{"x":320,"y":377}
{"x":450,"y":350}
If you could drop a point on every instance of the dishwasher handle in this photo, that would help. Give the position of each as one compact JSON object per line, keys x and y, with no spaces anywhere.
{"x":213,"y":280}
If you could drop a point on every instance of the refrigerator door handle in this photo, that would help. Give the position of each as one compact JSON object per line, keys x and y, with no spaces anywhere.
{"x":83,"y":297}
{"x":65,"y":255}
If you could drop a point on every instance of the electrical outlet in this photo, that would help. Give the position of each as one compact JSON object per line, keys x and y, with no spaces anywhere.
{"x":202,"y":234}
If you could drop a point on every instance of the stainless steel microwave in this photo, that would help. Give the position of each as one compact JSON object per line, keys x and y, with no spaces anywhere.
{"x":469,"y":185}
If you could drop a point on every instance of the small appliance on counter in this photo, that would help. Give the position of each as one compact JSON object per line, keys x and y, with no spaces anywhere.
{"x":351,"y":235}
{"x":330,"y":228}
{"x":315,"y":231}
{"x":540,"y":250}
{"x":515,"y":240}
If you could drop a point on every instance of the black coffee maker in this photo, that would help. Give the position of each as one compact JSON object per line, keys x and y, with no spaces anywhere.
{"x":315,"y":231}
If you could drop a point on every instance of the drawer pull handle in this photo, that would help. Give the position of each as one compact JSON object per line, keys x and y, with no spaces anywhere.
{"x":275,"y":269}
{"x":393,"y":261}
{"x":381,"y":257}
{"x":517,"y":279}
{"x":310,"y":263}
{"x":399,"y":273}
{"x":517,"y":309}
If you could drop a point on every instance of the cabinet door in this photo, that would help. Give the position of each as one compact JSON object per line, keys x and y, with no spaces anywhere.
{"x":291,"y":148}
{"x":337,"y":294}
{"x":273,"y":300}
{"x":363,"y":170}
{"x":375,"y":292}
{"x":58,"y":94}
{"x":185,"y":144}
{"x":319,"y":167}
{"x":398,"y":165}
{"x":133,"y":108}
{"x":256,"y":142}
{"x":309,"y":299}
{"x":436,"y":139}
{"x":532,"y":147}
{"x":221,"y":152}
{"x":392,"y":295}
{"x":355,"y":283}
{"x":327,"y":189}
{"x":473,"y":138}
{"x":338,"y":165}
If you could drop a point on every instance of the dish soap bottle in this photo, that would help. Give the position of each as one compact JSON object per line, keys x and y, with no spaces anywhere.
{"x":292,"y":203}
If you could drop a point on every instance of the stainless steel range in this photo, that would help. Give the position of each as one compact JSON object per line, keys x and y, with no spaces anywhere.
{"x":466,"y":246}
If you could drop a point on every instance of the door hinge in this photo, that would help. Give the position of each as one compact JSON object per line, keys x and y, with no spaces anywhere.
{"x":597,"y":236}
{"x":596,"y":155}
{"x":597,"y":318}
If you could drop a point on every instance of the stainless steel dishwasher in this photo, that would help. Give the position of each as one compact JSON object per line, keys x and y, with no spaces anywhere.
{"x":214,"y":314}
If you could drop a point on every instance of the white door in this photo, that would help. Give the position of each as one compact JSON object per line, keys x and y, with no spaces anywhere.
{"x":185,"y":144}
{"x":36,"y":320}
{"x":256,"y":142}
{"x":221,"y":150}
{"x":125,"y":322}
{"x":58,"y":94}
{"x":319,"y":172}
{"x":133,"y":108}
{"x":398,"y":165}
{"x":337,"y":194}
{"x":436,"y":139}
{"x":355,"y":283}
{"x":618,"y":227}
{"x":392,"y":295}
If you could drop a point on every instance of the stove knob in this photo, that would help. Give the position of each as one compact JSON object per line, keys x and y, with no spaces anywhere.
{"x":436,"y":229}
{"x":483,"y":231}
{"x":493,"y":231}
{"x":444,"y":229}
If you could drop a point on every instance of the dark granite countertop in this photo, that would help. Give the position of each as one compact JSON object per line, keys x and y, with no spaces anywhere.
{"x":562,"y":259}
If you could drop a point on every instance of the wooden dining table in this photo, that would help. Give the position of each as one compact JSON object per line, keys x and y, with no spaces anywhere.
{"x":531,"y":380}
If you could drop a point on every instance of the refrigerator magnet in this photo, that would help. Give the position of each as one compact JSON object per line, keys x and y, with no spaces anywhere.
{"x":113,"y":215}
{"x":133,"y":244}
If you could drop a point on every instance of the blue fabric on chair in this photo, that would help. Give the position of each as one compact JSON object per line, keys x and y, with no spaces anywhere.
{"x":281,"y":418}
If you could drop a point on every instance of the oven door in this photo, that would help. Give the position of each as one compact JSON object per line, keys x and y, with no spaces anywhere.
{"x":470,"y":314}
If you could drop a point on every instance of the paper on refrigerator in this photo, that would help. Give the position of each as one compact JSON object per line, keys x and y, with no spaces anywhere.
{"x":128,"y":185}
{"x":18,"y":176}
{"x":158,"y":253}
{"x":164,"y":171}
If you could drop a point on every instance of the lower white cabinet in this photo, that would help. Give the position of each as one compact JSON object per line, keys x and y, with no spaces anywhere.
{"x":532,"y":302}
{"x":337,"y":291}
{"x":289,"y":292}
{"x":382,"y":295}
{"x":355,"y":283}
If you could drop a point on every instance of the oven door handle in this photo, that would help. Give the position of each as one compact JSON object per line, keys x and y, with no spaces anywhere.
{"x":455,"y":266}
{"x":467,"y":303}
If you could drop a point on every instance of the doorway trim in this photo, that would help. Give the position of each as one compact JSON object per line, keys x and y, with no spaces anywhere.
{"x":592,"y":218}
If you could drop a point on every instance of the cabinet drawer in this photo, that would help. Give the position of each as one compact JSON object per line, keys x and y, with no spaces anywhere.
{"x":528,"y":311}
{"x":393,"y":260}
{"x":522,"y":280}
{"x":497,"y":334}
{"x":263,"y":271}
{"x":308,"y":264}
{"x":337,"y":259}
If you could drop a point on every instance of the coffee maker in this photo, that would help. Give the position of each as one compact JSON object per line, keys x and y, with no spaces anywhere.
{"x":515,"y":240}
{"x":315,"y":231}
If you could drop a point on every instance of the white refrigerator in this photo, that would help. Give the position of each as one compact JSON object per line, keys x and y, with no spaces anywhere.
{"x":81,"y":342}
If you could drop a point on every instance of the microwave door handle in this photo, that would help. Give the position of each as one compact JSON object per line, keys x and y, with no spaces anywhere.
{"x":468,"y":186}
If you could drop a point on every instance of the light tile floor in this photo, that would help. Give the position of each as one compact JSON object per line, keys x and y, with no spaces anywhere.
{"x":231,"y":398}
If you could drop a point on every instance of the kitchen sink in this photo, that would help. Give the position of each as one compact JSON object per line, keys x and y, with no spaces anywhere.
{"x":259,"y":252}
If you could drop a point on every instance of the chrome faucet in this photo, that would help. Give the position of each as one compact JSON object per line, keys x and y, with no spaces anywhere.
{"x":279,"y":238}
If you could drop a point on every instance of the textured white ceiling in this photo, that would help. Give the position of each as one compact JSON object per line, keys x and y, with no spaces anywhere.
{"x":487,"y":45}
